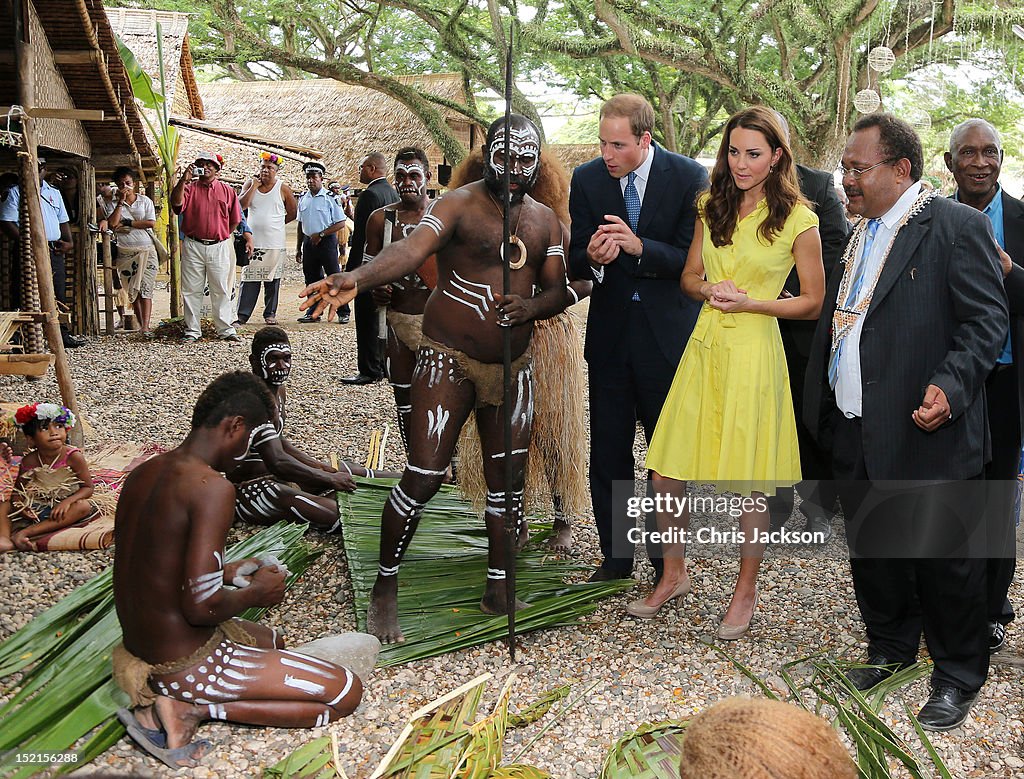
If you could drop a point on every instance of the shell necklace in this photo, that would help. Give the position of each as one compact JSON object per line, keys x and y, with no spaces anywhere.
{"x":513,"y":238}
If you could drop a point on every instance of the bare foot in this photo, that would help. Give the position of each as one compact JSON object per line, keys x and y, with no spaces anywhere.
{"x":23,"y":543}
{"x":6,"y":545}
{"x":561,"y":541}
{"x":179,"y":720}
{"x":741,"y":608}
{"x":382,"y":614}
{"x":495,"y":597}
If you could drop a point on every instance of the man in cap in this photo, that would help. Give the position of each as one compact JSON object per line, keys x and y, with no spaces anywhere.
{"x":320,"y":220}
{"x":57,"y":226}
{"x":210,"y":212}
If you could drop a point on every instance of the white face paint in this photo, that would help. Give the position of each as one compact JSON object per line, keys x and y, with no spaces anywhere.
{"x":410,"y":179}
{"x":524,"y":151}
{"x":276,"y":363}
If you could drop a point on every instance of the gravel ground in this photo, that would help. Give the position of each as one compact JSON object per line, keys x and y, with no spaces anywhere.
{"x":642,"y":671}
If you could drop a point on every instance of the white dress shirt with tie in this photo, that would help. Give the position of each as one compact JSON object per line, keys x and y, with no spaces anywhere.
{"x":849,"y":396}
{"x":643,"y":173}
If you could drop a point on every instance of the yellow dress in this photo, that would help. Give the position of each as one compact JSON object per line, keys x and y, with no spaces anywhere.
{"x":728,"y":418}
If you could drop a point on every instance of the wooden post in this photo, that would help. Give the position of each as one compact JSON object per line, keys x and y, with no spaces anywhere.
{"x":37,"y":237}
{"x":174,"y":263}
{"x":108,"y":286}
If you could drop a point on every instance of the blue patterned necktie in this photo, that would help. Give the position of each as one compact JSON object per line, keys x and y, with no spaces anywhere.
{"x":632,"y":198}
{"x":851,"y":297}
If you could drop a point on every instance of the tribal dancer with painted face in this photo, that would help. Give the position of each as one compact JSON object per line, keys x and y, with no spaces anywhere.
{"x":184,"y":658}
{"x":459,"y":364}
{"x":406,"y":297}
{"x":557,"y":467}
{"x":275,"y":479}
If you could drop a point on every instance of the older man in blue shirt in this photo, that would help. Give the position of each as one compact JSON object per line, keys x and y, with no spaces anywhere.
{"x":319,"y":220}
{"x":58,"y":236}
{"x":975,"y":159}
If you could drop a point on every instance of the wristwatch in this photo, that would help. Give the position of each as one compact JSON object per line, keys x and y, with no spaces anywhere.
{"x":321,"y":233}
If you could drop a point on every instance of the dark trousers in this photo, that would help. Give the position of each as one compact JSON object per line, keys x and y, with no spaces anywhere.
{"x":1004,"y":421}
{"x":630,"y":387}
{"x":249,"y":294}
{"x":320,"y":260}
{"x":901,"y":597}
{"x":817,"y":490}
{"x":60,"y":280}
{"x":369,"y":344}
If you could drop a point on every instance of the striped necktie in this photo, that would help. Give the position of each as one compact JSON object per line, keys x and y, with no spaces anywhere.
{"x":851,"y":298}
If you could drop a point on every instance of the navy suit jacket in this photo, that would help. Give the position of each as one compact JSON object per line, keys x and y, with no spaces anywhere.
{"x":665,"y":227}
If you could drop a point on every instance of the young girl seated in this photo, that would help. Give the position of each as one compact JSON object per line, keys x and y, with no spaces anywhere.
{"x":54,"y":486}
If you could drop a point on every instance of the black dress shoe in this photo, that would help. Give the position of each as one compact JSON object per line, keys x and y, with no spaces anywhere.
{"x":819,"y":523}
{"x":359,"y":379}
{"x":72,"y":341}
{"x":866,"y":678}
{"x":343,"y":319}
{"x":996,"y":636}
{"x":947,"y":708}
{"x":608,"y":574}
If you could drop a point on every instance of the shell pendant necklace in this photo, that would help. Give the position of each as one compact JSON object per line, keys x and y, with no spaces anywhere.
{"x":513,"y":238}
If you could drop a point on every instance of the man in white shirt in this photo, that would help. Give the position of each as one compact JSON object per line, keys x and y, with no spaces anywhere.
{"x":908,"y":334}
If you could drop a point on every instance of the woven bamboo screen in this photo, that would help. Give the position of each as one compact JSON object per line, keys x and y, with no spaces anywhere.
{"x":51,"y":91}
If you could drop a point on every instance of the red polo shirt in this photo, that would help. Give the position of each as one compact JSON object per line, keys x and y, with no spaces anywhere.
{"x":209,"y":212}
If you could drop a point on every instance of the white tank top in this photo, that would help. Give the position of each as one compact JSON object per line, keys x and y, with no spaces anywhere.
{"x":266,"y":218}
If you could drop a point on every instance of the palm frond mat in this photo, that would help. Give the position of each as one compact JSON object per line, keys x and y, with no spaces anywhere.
{"x":442,"y":740}
{"x":443,"y":574}
{"x":65,"y":689}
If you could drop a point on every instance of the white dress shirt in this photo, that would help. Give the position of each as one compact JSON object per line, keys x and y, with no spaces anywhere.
{"x":849,"y":387}
{"x":643,"y":173}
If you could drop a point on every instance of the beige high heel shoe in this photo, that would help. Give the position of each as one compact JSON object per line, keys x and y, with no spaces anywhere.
{"x":734,"y":632}
{"x":640,"y":609}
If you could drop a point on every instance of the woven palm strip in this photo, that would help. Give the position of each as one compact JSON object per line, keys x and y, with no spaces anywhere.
{"x":651,"y":751}
{"x":558,"y":442}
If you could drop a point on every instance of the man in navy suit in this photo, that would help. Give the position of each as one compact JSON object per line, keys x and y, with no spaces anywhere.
{"x":975,"y":158}
{"x":633,"y":214}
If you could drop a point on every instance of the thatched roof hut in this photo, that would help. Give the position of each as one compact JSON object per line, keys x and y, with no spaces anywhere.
{"x":74,"y":67}
{"x":572,"y":155}
{"x":137,"y":30}
{"x":343,"y":122}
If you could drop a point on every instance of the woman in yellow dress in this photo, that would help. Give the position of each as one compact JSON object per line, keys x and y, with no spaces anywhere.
{"x":728,"y":419}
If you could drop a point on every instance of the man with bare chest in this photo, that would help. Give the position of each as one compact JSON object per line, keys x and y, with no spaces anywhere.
{"x":405,"y":298}
{"x":459,"y":361}
{"x":184,"y":659}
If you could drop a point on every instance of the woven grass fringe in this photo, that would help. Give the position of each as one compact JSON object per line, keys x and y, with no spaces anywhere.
{"x":558,"y":442}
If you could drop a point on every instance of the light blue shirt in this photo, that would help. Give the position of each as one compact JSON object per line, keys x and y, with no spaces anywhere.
{"x":318,"y":212}
{"x":50,"y":202}
{"x":994,"y":211}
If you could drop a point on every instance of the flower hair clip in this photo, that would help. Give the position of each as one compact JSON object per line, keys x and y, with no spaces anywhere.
{"x":44,"y":412}
{"x":274,"y":158}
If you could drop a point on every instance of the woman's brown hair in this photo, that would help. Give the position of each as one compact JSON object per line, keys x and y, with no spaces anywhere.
{"x":781,"y":189}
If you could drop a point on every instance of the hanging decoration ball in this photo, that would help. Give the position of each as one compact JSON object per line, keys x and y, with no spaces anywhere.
{"x":881,"y":59}
{"x":920,"y":120}
{"x":866,"y":101}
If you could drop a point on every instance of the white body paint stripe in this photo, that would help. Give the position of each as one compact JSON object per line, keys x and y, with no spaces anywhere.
{"x":311,"y":688}
{"x":345,"y":689}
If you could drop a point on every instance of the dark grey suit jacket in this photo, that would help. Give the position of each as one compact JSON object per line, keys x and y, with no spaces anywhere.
{"x":1013,"y":232}
{"x":377,"y":195}
{"x":938,"y":316}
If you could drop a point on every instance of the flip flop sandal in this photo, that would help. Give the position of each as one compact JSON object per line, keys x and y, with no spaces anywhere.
{"x":128,"y":719}
{"x":180,"y":757}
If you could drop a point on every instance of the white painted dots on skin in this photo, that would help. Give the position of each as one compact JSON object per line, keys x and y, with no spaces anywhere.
{"x":408,"y":509}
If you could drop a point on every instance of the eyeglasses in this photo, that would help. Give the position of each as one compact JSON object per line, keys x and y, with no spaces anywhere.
{"x":857,"y":173}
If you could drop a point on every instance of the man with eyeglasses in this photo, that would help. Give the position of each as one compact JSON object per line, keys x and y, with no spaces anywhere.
{"x":633,"y":212}
{"x":909,"y":332}
{"x":975,"y":158}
